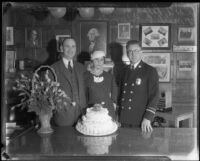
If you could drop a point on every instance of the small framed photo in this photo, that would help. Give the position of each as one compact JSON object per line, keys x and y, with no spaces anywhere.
{"x":185,"y":65}
{"x":161,"y":61}
{"x":59,"y":41}
{"x":9,"y":36}
{"x":33,"y":38}
{"x":124,"y":31}
{"x":155,"y":36}
{"x":10,"y":61}
{"x":186,"y":35}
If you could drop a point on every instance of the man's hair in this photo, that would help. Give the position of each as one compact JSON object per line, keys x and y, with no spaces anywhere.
{"x":67,"y":38}
{"x":132,"y":42}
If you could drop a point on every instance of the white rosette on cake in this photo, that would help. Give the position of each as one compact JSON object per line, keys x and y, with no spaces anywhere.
{"x":96,"y":122}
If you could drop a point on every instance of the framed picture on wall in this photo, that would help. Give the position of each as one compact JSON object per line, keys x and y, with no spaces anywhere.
{"x":10,"y":61}
{"x":59,"y":40}
{"x":161,"y":61}
{"x":9,"y":36}
{"x":33,"y":38}
{"x":124,"y":31}
{"x":93,"y":36}
{"x":186,"y":35}
{"x":155,"y":36}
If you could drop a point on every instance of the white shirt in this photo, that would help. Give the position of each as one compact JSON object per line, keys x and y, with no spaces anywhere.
{"x":136,"y":64}
{"x":66,"y":62}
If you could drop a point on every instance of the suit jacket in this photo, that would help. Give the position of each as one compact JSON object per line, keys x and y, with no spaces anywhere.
{"x":139,"y":94}
{"x":70,"y":117}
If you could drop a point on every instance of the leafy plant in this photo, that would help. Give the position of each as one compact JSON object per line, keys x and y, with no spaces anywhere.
{"x":41,"y":95}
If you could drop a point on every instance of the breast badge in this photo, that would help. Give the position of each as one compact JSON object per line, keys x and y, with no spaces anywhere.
{"x":138,"y":81}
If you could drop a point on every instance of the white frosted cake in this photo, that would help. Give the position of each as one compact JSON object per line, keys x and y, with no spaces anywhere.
{"x":96,"y":122}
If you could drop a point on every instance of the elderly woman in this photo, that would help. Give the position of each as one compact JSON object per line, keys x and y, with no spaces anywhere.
{"x":100,"y":85}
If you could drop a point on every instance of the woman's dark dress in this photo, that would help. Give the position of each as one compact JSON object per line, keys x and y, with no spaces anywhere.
{"x":105,"y":91}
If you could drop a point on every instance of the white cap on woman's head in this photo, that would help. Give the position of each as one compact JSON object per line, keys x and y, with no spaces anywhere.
{"x":97,"y":54}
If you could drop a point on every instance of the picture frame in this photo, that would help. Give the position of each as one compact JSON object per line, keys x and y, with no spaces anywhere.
{"x":10,"y":61}
{"x":161,"y":61}
{"x":124,"y":31}
{"x":155,"y":36}
{"x":185,"y":65}
{"x":9,"y":36}
{"x":186,"y":35}
{"x":33,"y":37}
{"x":59,"y":40}
{"x":93,"y":36}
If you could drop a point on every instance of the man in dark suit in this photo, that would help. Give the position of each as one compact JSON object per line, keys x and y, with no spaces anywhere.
{"x":70,"y":76}
{"x":139,"y":91}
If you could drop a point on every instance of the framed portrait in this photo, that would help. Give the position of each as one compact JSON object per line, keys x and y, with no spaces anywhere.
{"x":155,"y":36}
{"x":59,"y":40}
{"x":9,"y":36}
{"x":33,"y":38}
{"x":186,"y":35}
{"x":161,"y":61}
{"x":93,"y":36}
{"x":124,"y":31}
{"x":10,"y":61}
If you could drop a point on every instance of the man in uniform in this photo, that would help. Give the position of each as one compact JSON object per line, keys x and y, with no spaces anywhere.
{"x":139,"y":90}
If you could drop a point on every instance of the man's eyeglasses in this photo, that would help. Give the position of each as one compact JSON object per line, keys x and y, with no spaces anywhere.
{"x":133,"y":51}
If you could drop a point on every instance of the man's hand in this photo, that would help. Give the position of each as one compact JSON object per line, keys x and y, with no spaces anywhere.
{"x":146,"y":125}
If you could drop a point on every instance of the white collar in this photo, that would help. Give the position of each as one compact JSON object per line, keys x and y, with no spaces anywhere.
{"x":136,"y":64}
{"x":66,"y":61}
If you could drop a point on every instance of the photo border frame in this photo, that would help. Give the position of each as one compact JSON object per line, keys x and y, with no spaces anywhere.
{"x":155,"y":36}
{"x":27,"y":32}
{"x":119,"y":30}
{"x":190,"y":40}
{"x":165,"y":64}
{"x":86,"y":25}
{"x":10,"y":31}
{"x":10,"y":59}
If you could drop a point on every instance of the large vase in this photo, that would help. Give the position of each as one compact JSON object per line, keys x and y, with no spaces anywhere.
{"x":45,"y":127}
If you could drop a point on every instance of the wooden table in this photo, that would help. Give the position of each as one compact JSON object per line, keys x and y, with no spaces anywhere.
{"x":128,"y":144}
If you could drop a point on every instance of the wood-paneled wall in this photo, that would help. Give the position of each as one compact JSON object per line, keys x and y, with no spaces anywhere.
{"x":181,"y":84}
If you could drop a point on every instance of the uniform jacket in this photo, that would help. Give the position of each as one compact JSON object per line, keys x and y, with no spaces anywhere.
{"x":69,"y":117}
{"x":139,"y":92}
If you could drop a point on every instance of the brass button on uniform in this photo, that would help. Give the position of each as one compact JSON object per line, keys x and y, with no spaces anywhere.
{"x":124,"y":91}
{"x":130,"y":100}
{"x":125,"y":84}
{"x":129,"y":108}
{"x":132,"y":84}
{"x":131,"y":91}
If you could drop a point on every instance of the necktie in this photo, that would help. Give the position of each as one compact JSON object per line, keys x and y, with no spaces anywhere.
{"x":69,"y":67}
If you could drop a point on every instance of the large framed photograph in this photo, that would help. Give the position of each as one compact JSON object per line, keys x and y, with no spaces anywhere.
{"x":10,"y":61}
{"x":155,"y":36}
{"x":161,"y":61}
{"x":33,"y":38}
{"x":59,"y":41}
{"x":93,"y":36}
{"x":186,"y":35}
{"x":9,"y":36}
{"x":124,"y":31}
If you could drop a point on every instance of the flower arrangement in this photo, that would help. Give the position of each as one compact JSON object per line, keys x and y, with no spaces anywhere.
{"x":42,"y":96}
